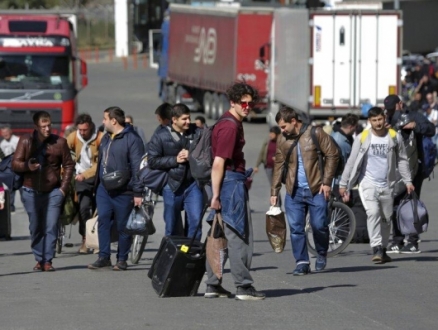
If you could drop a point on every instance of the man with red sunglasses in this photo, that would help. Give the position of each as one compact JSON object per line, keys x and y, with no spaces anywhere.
{"x":230,"y":195}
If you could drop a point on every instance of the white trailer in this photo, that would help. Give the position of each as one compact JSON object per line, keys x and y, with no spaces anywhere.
{"x":329,"y":63}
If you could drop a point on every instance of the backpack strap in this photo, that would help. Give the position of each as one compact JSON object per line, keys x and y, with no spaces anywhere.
{"x":365,"y":133}
{"x":318,"y":151}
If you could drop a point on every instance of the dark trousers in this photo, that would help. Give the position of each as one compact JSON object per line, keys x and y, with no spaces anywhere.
{"x":85,"y":209}
{"x":397,"y":236}
{"x":112,"y":208}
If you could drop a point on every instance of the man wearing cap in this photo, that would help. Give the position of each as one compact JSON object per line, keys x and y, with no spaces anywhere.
{"x":417,"y":127}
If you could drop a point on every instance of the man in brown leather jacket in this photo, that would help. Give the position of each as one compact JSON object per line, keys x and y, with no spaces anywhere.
{"x":307,"y":189}
{"x":40,"y":156}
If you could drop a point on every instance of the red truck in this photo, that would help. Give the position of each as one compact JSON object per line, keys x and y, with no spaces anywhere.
{"x":39,"y":70}
{"x":206,"y":49}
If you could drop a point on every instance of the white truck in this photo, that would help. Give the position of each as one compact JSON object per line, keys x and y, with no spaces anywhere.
{"x":328,"y":63}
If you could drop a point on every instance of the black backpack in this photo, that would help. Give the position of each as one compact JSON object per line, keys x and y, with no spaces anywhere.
{"x":201,"y":154}
{"x":13,"y":180}
{"x":321,"y":160}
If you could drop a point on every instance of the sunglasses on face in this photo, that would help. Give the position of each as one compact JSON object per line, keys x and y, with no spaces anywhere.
{"x":245,"y":105}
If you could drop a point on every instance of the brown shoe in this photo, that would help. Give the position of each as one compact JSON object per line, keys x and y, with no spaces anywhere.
{"x":48,"y":267}
{"x":38,"y":267}
{"x":83,"y":249}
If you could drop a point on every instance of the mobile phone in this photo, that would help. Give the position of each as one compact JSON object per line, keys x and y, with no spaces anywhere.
{"x":33,"y":161}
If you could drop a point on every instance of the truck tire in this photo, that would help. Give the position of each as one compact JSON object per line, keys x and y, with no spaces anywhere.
{"x":215,"y":107}
{"x":179,"y":93}
{"x":223,"y":106}
{"x":207,"y":104}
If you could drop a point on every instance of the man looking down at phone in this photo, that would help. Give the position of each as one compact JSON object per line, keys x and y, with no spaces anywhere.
{"x":40,"y":156}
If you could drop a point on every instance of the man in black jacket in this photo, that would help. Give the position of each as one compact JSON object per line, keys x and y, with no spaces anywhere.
{"x":168,"y":150}
{"x":120,"y":153}
{"x":420,"y":126}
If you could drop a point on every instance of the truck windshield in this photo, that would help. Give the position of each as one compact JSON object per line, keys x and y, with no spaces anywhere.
{"x":35,"y":72}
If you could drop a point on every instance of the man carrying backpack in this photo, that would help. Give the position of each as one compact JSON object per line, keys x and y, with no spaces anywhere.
{"x":415,"y":127}
{"x":297,"y":166}
{"x":168,"y":151}
{"x":376,"y":154}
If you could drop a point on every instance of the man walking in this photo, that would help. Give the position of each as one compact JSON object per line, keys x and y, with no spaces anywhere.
{"x":307,"y":189}
{"x":343,"y":135}
{"x":376,"y":154}
{"x":84,"y":142}
{"x":168,"y":151}
{"x":230,"y":196}
{"x":130,"y":120}
{"x":40,"y":156}
{"x":118,"y":188}
{"x":412,"y":134}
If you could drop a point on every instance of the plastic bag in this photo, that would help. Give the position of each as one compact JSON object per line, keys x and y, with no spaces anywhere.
{"x":276,"y":228}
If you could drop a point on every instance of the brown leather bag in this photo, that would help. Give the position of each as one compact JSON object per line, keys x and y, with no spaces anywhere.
{"x":217,"y":246}
{"x":276,"y":228}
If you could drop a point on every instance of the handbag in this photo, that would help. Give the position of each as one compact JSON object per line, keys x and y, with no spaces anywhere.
{"x":412,"y":215}
{"x":116,"y":180}
{"x":92,"y":233}
{"x":155,"y":180}
{"x":216,"y":249}
{"x":276,"y":228}
{"x":138,"y":222}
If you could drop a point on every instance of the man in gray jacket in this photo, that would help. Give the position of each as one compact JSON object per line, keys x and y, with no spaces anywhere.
{"x":375,"y":155}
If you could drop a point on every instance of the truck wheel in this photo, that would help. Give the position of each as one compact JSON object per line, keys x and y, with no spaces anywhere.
{"x":207,"y":104}
{"x":215,"y":106}
{"x":223,"y":106}
{"x":179,"y":93}
{"x":170,"y":94}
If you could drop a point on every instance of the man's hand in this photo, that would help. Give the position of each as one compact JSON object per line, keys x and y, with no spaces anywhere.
{"x":345,"y":195}
{"x":33,"y":167}
{"x":411,"y":125}
{"x":215,"y":203}
{"x":79,"y":177}
{"x":410,"y":188}
{"x":182,"y":156}
{"x":255,"y":170}
{"x":273,"y":200}
{"x":137,"y":201}
{"x":325,"y":190}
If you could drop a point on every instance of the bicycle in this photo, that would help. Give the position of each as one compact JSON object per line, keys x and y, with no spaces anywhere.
{"x":342,"y":227}
{"x":139,"y":241}
{"x":60,"y":239}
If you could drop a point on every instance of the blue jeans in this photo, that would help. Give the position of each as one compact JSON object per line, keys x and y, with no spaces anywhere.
{"x":112,"y":208}
{"x":297,"y":205}
{"x":43,"y":210}
{"x":190,"y":199}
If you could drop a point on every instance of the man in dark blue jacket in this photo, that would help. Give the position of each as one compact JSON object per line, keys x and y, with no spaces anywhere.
{"x":420,"y":126}
{"x":120,"y":153}
{"x":168,"y":150}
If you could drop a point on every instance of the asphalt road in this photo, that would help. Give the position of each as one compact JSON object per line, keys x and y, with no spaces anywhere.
{"x":352,"y":293}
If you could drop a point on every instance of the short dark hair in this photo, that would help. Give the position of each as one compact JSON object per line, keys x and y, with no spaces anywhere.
{"x":5,"y":126}
{"x":180,"y":109}
{"x":201,"y":119}
{"x":349,"y":119}
{"x":117,"y":114}
{"x":239,"y":89}
{"x":44,"y":115}
{"x":375,"y":111}
{"x":130,"y":118}
{"x":275,"y":129}
{"x":84,"y":118}
{"x":164,"y":111}
{"x":287,"y":114}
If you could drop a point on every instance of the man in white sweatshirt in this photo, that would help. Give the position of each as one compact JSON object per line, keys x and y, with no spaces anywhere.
{"x":8,"y":146}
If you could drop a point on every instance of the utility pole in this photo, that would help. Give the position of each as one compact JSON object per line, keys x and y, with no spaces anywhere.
{"x":397,"y":4}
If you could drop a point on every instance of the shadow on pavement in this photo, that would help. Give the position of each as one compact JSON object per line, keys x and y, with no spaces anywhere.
{"x":357,"y":269}
{"x":15,"y":254}
{"x":416,"y":258}
{"x":289,"y":292}
{"x":20,"y":273}
{"x":263,"y":268}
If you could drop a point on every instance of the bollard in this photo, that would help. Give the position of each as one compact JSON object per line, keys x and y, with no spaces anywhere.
{"x":145,"y":61}
{"x":96,"y":54}
{"x":110,"y":54}
{"x":134,"y":58}
{"x":125,"y":63}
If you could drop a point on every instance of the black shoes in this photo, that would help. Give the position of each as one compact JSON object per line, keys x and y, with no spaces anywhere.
{"x":380,"y":256}
{"x":120,"y":265}
{"x":100,"y":263}
{"x":216,"y":291}
{"x":249,"y":293}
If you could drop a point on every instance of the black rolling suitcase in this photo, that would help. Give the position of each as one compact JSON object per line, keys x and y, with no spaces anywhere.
{"x":5,"y":218}
{"x":178,"y":267}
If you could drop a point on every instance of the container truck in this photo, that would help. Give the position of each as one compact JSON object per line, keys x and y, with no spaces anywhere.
{"x":39,"y":70}
{"x":329,"y":63}
{"x":205,"y":50}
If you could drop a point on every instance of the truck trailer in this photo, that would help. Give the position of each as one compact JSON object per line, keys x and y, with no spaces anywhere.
{"x":39,"y":70}
{"x":205,"y":50}
{"x":327,"y":63}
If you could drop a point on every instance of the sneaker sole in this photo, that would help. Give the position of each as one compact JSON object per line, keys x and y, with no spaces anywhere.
{"x":378,"y":260}
{"x":409,"y":252}
{"x":216,"y":295}
{"x":248,"y":297}
{"x":395,"y":251}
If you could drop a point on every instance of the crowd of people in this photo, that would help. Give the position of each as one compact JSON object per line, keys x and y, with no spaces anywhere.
{"x":383,"y":160}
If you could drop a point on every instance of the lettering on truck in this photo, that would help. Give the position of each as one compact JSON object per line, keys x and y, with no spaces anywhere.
{"x":206,"y":44}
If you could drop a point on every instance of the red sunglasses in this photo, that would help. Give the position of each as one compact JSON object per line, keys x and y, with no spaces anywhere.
{"x":245,"y":105}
